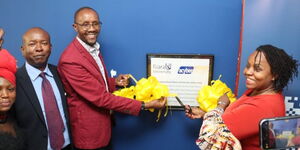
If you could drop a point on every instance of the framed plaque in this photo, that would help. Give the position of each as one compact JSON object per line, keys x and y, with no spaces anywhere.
{"x":184,"y":74}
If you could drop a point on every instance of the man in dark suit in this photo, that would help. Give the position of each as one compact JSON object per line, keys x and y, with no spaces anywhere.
{"x":32,"y":111}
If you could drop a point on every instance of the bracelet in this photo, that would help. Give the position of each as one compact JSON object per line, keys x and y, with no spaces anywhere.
{"x":222,"y":103}
{"x":220,"y":110}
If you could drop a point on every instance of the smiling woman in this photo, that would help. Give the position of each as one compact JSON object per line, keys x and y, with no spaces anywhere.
{"x":10,"y":135}
{"x":268,"y":71}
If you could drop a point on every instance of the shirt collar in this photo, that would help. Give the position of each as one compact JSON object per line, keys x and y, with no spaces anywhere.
{"x":89,"y":48}
{"x":34,"y":72}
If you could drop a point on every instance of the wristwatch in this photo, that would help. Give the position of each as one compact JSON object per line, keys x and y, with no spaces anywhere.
{"x":143,"y":106}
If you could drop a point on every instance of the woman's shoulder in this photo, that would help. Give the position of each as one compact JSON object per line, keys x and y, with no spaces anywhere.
{"x":270,"y":104}
{"x":272,"y":101}
{"x":265,"y":97}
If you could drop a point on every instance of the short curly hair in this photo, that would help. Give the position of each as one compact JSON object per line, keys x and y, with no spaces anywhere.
{"x":283,"y":66}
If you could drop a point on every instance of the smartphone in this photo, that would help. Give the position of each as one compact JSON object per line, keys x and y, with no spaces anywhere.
{"x":280,"y":133}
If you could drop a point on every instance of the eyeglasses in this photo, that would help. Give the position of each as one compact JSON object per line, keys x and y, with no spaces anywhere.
{"x":88,"y":25}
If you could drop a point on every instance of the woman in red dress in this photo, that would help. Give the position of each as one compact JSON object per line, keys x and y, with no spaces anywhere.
{"x":269,"y":69}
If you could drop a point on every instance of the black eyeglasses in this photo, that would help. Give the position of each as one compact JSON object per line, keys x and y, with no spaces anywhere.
{"x":88,"y":25}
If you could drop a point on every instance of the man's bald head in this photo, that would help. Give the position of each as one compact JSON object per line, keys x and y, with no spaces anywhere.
{"x":36,"y":47}
{"x":78,"y":11}
{"x":34,"y":30}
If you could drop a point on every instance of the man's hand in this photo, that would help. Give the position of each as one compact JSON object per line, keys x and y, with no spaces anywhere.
{"x":157,"y":104}
{"x":122,"y":80}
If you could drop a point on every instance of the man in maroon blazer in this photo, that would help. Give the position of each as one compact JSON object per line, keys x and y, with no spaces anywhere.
{"x":89,"y":88}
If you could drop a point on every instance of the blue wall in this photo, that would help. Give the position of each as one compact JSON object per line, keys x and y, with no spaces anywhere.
{"x":131,"y":29}
{"x":273,"y":22}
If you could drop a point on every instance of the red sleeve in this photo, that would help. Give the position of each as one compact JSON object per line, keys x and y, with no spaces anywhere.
{"x":82,"y":84}
{"x":112,"y":84}
{"x":243,"y":120}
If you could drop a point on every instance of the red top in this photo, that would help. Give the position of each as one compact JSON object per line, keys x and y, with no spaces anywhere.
{"x":296,"y":140}
{"x":243,"y":116}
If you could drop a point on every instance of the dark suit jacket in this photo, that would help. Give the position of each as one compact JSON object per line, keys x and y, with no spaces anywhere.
{"x":28,"y":113}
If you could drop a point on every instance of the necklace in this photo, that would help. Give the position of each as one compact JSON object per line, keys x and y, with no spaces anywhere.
{"x":3,"y":118}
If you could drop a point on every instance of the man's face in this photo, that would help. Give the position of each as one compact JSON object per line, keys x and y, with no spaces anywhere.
{"x":88,"y":26}
{"x":36,"y":48}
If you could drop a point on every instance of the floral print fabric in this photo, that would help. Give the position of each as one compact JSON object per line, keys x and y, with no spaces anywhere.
{"x":214,"y":135}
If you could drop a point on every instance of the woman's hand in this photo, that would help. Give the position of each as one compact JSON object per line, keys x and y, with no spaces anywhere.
{"x":194,"y":112}
{"x":223,"y":101}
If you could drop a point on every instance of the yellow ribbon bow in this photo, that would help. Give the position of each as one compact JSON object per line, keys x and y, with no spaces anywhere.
{"x":145,"y":90}
{"x":208,"y":95}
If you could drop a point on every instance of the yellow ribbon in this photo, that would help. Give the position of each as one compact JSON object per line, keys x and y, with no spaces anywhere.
{"x":146,"y":90}
{"x":208,"y":95}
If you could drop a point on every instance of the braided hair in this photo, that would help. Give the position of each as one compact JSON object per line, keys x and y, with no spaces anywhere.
{"x":283,"y":66}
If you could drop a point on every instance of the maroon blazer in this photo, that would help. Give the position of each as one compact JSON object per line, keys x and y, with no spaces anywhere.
{"x":89,"y":102}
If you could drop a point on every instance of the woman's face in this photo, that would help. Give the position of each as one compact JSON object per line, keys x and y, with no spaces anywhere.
{"x":7,"y":94}
{"x":258,"y":73}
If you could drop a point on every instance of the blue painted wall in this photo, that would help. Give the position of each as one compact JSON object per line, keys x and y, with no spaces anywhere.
{"x":273,"y":22}
{"x":131,"y":29}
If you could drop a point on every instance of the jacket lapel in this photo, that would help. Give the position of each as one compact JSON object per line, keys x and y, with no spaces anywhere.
{"x":85,"y":54}
{"x":106,"y":74}
{"x":91,"y":60}
{"x":27,"y":86}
